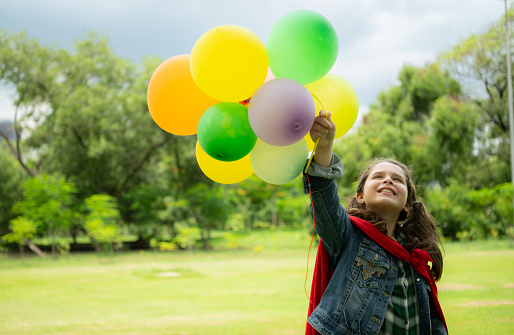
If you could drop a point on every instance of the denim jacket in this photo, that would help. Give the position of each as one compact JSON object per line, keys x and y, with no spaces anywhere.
{"x":355,"y":300}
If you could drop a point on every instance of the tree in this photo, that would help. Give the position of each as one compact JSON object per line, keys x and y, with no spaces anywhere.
{"x":425,"y":123}
{"x":210,"y":209}
{"x":203,"y":206}
{"x":101,"y":221}
{"x":146,"y":202}
{"x":28,"y":67}
{"x":186,"y":236}
{"x":47,"y":200}
{"x":478,"y":62}
{"x":450,"y":146}
{"x":494,"y":207}
{"x":22,"y":231}
{"x":257,"y":200}
{"x":465,"y":213}
{"x":82,"y":114}
{"x":11,"y":176}
{"x":420,"y":122}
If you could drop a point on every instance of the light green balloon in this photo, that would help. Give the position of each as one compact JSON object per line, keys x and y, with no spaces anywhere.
{"x":303,"y":46}
{"x":279,"y":164}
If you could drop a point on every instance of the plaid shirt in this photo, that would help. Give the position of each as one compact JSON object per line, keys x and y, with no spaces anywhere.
{"x":402,"y":316}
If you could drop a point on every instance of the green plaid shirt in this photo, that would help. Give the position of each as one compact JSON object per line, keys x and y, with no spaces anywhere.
{"x":402,"y":316}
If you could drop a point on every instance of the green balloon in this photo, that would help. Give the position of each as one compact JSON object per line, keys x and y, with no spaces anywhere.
{"x":303,"y":46}
{"x":224,"y":131}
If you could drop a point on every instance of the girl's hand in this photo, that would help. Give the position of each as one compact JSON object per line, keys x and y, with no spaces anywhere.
{"x":324,"y":129}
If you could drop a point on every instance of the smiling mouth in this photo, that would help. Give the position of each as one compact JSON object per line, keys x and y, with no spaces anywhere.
{"x":386,"y":192}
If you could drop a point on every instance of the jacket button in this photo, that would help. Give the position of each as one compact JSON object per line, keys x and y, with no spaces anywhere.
{"x":417,"y":279}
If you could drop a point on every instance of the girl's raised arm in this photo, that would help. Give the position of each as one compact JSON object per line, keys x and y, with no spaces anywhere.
{"x":332,"y":221}
{"x":324,"y":129}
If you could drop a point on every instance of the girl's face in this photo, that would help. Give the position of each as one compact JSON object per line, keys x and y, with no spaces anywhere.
{"x":385,"y":190}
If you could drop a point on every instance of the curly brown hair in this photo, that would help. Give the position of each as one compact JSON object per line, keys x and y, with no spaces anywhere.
{"x":418,"y":225}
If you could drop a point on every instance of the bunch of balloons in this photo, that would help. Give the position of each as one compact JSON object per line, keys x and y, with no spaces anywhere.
{"x":252,"y":105}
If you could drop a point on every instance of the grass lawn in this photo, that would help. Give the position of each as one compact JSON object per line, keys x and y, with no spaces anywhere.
{"x":477,"y":288}
{"x":258,"y":291}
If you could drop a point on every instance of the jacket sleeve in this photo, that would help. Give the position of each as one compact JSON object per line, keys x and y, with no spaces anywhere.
{"x":331,"y":220}
{"x":437,"y":324}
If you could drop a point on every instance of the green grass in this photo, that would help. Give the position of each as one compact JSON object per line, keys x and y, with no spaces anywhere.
{"x":477,"y":288}
{"x":224,"y":292}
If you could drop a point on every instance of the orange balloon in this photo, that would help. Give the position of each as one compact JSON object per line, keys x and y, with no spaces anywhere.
{"x":174,"y":101}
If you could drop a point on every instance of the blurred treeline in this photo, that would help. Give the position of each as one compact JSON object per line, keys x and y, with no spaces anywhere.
{"x":83,"y":157}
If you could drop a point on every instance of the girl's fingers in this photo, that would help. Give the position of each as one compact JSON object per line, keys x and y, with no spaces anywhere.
{"x":322,"y":125}
{"x":329,"y":117}
{"x":320,"y":128}
{"x":323,"y":122}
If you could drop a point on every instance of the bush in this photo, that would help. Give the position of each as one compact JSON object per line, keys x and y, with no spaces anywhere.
{"x":467,"y":214}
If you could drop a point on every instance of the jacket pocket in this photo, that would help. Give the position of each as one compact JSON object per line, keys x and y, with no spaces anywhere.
{"x":369,"y":266}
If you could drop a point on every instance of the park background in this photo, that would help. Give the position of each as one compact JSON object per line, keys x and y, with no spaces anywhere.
{"x":138,"y":241}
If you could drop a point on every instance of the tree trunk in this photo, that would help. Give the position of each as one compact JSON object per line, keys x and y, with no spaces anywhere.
{"x":93,"y":241}
{"x":34,"y":248}
{"x":274,"y":213}
{"x":52,"y":232}
{"x":21,"y":252}
{"x":190,"y":245}
{"x":73,"y":233}
{"x":206,"y":238}
{"x":16,"y":151}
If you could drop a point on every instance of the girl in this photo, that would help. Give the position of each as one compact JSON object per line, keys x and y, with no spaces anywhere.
{"x":372,"y":274}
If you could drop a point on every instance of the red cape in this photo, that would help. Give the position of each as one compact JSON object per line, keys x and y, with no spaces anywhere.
{"x":322,"y":275}
{"x":323,"y":270}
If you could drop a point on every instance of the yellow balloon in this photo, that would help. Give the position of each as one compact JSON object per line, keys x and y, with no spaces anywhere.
{"x":229,"y":63}
{"x":339,"y":97}
{"x":310,"y":143}
{"x":223,"y":172}
{"x":174,"y":100}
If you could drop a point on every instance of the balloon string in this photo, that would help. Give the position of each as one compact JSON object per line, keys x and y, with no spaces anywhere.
{"x":312,"y":240}
{"x":317,"y":140}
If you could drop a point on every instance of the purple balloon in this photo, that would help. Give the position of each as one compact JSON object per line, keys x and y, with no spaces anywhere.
{"x":281,"y":112}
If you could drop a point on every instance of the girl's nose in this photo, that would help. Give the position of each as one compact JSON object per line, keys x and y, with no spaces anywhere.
{"x":388,"y":180}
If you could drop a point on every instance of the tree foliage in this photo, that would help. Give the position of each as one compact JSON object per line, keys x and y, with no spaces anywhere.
{"x":479,"y":63}
{"x":421,"y":122}
{"x":101,"y":221}
{"x":427,"y":123}
{"x":81,"y":114}
{"x":11,"y":177}
{"x":22,"y":230}
{"x":47,"y":201}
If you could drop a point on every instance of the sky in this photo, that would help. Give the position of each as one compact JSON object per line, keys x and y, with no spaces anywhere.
{"x":376,"y":37}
